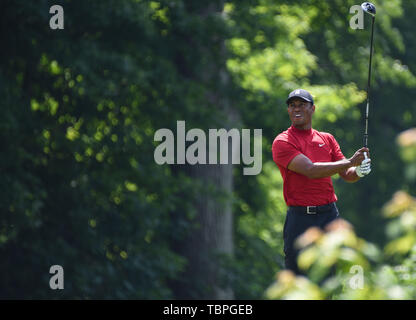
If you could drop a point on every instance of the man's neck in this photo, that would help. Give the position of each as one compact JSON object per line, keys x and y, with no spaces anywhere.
{"x":304,"y":127}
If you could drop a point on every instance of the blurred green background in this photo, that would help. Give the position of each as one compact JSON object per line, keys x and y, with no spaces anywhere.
{"x":80,"y":106}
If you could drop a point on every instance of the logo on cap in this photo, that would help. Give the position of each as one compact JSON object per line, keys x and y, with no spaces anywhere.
{"x":300,"y":93}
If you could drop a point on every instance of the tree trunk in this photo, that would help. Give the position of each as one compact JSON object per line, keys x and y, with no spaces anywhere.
{"x":214,"y":236}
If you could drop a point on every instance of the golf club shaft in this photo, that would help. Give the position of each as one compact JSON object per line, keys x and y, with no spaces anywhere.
{"x":368,"y":85}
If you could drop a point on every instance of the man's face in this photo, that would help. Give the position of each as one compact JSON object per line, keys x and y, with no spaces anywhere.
{"x":300,"y":113}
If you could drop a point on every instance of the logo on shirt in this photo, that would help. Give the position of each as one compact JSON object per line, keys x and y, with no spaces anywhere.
{"x":321,"y":144}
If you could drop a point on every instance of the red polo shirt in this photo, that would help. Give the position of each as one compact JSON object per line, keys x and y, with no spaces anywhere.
{"x":299,"y":190}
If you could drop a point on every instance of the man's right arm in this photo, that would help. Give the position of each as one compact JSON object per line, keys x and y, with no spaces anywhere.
{"x":303,"y":165}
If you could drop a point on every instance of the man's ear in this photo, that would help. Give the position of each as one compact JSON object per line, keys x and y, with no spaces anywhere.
{"x":313,"y":108}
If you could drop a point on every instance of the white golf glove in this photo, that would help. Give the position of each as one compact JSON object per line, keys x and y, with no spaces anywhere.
{"x":364,"y":168}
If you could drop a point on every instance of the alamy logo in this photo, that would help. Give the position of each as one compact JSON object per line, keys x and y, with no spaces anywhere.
{"x":196,"y":153}
{"x":357,"y":280}
{"x":357,"y":20}
{"x":57,"y":20}
{"x":57,"y":280}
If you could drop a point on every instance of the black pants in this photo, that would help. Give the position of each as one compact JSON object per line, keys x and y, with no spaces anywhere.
{"x":297,"y":223}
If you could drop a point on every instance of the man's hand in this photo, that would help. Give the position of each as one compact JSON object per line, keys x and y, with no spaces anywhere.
{"x":364,"y":169}
{"x":359,"y":156}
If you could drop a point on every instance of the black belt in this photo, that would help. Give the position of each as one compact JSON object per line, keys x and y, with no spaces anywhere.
{"x":313,"y":209}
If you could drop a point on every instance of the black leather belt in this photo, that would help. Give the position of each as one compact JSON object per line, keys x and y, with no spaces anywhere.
{"x":313,"y":209}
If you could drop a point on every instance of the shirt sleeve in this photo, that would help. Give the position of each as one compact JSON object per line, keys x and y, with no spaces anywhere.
{"x":283,"y":152}
{"x":336,"y":150}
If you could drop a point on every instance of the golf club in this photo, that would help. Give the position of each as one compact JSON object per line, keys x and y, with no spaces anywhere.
{"x":369,"y":8}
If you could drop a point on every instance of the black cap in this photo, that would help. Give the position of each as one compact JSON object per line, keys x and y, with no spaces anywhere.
{"x":300,"y":93}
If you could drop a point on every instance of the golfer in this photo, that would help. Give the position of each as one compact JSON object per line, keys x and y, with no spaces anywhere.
{"x":307,"y":159}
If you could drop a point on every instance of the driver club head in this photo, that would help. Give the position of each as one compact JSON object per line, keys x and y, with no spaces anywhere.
{"x":369,"y":8}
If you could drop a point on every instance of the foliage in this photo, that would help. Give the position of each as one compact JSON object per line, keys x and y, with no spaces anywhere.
{"x":80,"y":107}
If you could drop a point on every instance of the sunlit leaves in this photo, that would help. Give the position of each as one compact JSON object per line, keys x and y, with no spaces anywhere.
{"x":239,"y":47}
{"x":334,"y":102}
{"x":401,"y":202}
{"x":403,"y":207}
{"x":348,"y":253}
{"x":72,"y":132}
{"x":394,"y":71}
{"x":289,"y":287}
{"x":269,"y":68}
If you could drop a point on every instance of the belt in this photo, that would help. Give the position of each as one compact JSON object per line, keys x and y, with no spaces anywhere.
{"x":313,"y":209}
